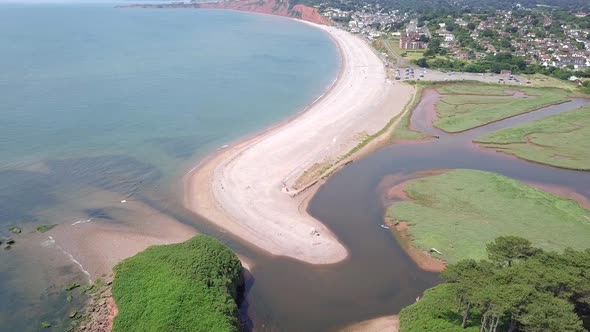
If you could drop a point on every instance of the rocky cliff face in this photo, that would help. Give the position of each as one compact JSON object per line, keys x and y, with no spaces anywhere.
{"x":272,"y":7}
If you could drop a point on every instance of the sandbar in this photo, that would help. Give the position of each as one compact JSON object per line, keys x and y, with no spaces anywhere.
{"x":249,"y":188}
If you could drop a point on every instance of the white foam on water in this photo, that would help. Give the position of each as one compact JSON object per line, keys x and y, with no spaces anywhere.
{"x":82,"y":221}
{"x":51,"y":241}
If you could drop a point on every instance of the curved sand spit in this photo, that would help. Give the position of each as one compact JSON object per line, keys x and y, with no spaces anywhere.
{"x":247,"y":188}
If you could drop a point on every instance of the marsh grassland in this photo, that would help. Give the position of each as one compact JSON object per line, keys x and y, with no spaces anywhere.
{"x":459,"y":211}
{"x":561,"y":140}
{"x":464,"y":106}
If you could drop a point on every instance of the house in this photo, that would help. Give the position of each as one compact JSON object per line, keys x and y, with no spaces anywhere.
{"x":449,"y":37}
{"x":411,"y":40}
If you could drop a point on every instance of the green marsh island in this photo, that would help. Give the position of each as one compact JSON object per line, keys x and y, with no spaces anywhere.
{"x":464,"y":106}
{"x":455,"y":212}
{"x":561,"y":140}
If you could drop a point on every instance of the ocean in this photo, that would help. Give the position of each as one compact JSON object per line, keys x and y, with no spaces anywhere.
{"x":95,"y":99}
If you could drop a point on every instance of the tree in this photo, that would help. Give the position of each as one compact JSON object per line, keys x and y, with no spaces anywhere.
{"x":471,"y":26}
{"x":428,"y":53}
{"x":529,"y":291}
{"x":468,"y":277}
{"x":547,"y":313}
{"x":488,"y":33}
{"x":434,"y":45}
{"x":511,"y":29}
{"x":506,"y":249}
{"x":422,"y":63}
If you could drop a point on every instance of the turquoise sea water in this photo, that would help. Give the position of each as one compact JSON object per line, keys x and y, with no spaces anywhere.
{"x":98,"y":98}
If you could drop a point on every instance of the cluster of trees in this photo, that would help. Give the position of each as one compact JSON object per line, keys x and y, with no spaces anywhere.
{"x":520,"y":288}
{"x":402,"y":5}
{"x":190,"y":286}
{"x":508,"y":4}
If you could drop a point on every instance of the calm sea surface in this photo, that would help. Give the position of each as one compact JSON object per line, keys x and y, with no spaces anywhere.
{"x":120,"y":100}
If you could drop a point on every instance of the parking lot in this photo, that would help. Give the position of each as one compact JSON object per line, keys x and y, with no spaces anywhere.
{"x":415,"y":73}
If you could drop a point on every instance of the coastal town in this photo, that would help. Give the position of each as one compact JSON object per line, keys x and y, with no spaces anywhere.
{"x":538,"y":37}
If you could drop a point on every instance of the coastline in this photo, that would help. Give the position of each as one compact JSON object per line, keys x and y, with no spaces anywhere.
{"x":379,"y":324}
{"x":247,"y":188}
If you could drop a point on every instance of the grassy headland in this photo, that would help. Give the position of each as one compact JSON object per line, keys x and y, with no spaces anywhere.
{"x":560,"y":140}
{"x":459,"y":211}
{"x":191,"y":286}
{"x":466,"y":106}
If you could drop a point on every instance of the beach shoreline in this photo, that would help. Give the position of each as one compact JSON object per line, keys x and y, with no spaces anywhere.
{"x":248,"y":188}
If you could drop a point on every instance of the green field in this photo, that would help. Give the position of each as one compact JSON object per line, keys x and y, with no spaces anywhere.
{"x":466,"y":106}
{"x":561,"y":140}
{"x":473,"y":88}
{"x":460,"y":211}
{"x":406,"y":54}
{"x":191,"y":286}
{"x":543,"y":81}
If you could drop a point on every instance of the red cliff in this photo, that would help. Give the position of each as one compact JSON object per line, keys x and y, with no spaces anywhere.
{"x":272,"y":7}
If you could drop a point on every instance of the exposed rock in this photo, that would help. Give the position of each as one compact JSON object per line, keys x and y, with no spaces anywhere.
{"x":101,"y":310}
{"x":15,"y":230}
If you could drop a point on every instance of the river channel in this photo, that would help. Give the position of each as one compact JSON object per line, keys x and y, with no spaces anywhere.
{"x":379,"y":278}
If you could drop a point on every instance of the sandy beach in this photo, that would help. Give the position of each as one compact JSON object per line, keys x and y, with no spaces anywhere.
{"x":380,"y":324}
{"x":98,"y":244}
{"x":248,"y":188}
